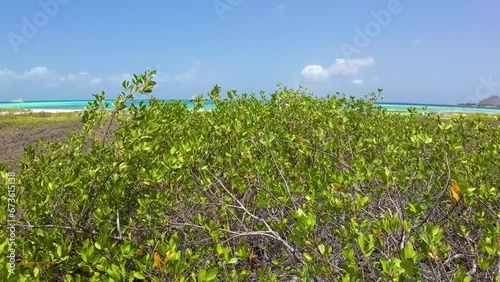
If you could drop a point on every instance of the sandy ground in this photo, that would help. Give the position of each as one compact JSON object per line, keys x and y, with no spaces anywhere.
{"x":53,"y":111}
{"x":14,"y":139}
{"x":40,"y":111}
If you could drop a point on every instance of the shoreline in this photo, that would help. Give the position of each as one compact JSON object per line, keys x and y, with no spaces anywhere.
{"x":28,"y":111}
{"x":58,"y":111}
{"x":53,"y":111}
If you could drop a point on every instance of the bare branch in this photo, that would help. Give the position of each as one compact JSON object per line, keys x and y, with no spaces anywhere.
{"x":271,"y":233}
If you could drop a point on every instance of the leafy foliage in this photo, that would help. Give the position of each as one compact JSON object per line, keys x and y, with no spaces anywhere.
{"x":282,"y":188}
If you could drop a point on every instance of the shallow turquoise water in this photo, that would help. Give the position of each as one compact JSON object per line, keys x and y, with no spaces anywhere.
{"x":439,"y":108}
{"x":81,"y":104}
{"x":78,"y":104}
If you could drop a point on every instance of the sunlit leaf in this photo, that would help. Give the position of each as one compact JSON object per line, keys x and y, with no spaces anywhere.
{"x":321,"y":249}
{"x":157,"y":260}
{"x":29,"y":264}
{"x":308,"y":257}
{"x":432,"y":254}
{"x":139,"y":275}
{"x":336,"y":186}
{"x":168,"y":256}
{"x":454,"y":191}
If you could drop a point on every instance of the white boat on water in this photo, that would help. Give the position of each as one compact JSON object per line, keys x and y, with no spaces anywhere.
{"x":194,"y":98}
{"x":17,"y":101}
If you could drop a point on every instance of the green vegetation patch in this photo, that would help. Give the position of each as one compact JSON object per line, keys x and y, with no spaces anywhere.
{"x":13,"y":110}
{"x":295,"y":188}
{"x":16,"y":118}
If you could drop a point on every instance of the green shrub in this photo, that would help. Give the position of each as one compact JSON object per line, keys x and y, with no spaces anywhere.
{"x":284,"y":188}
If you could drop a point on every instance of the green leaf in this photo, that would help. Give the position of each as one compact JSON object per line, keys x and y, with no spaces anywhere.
{"x":361,"y":242}
{"x":408,"y":251}
{"x":201,"y":274}
{"x":308,"y":257}
{"x":321,"y":249}
{"x":36,"y":271}
{"x":211,"y":275}
{"x":59,"y":251}
{"x":139,"y":275}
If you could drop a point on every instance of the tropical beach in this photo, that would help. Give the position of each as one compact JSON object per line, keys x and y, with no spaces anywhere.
{"x":76,"y":105}
{"x":326,"y":142}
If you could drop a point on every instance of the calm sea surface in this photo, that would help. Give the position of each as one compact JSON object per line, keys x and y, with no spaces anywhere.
{"x":81,"y":104}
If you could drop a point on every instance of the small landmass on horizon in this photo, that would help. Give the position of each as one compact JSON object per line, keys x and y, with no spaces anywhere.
{"x":492,"y":101}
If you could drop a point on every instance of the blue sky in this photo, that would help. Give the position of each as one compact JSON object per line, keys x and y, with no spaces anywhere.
{"x":423,"y":51}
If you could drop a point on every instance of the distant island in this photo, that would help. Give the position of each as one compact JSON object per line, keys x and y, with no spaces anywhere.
{"x":492,"y":101}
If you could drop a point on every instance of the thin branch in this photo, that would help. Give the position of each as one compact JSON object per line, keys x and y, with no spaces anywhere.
{"x":443,"y":192}
{"x":118,"y":224}
{"x":284,"y":180}
{"x":333,"y":155}
{"x":244,"y":234}
{"x":473,"y":270}
{"x":69,"y":228}
{"x":486,"y":206}
{"x":94,"y":197}
{"x":270,"y":231}
{"x":448,"y":213}
{"x":454,"y":257}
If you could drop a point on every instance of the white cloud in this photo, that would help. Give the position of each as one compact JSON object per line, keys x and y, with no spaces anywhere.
{"x":357,"y":81}
{"x":7,"y":75}
{"x":315,"y":72}
{"x":349,"y":66}
{"x":51,"y":78}
{"x":96,"y":80}
{"x":342,"y":67}
{"x":37,"y":73}
{"x":119,"y":78}
{"x":185,"y":76}
{"x":160,"y":76}
{"x":200,"y":69}
{"x":188,"y":75}
{"x":42,"y":74}
{"x":69,"y":77}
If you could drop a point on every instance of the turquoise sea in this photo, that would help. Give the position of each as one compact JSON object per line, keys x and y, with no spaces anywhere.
{"x":78,"y":105}
{"x":81,"y":104}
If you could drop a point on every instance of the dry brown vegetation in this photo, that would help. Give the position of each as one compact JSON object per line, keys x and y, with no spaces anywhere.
{"x":14,"y":139}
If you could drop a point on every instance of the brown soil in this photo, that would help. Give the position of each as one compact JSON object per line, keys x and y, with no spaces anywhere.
{"x":13,"y":140}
